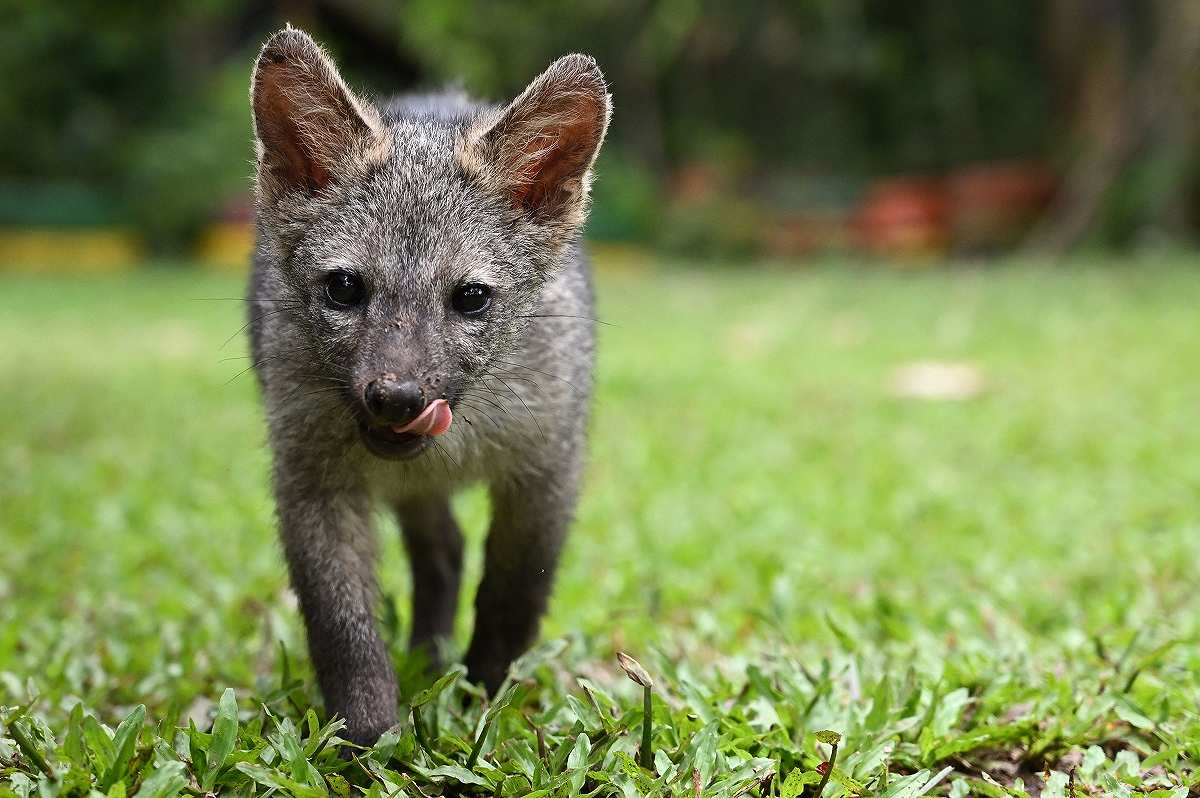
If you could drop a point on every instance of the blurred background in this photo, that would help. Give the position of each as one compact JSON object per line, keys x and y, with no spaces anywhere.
{"x":909,"y":131}
{"x":899,"y":352}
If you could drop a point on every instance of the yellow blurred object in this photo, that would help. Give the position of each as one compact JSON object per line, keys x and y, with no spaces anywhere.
{"x":103,"y":250}
{"x":226,"y":246}
{"x":613,"y":258}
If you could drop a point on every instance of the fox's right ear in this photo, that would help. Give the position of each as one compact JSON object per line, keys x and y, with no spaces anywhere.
{"x":539,"y":150}
{"x":308,"y":124}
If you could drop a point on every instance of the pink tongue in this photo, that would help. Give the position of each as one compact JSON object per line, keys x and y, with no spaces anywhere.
{"x":433,"y":421}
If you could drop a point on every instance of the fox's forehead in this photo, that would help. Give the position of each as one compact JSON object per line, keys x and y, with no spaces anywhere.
{"x":422,"y":142}
{"x":415,"y":211}
{"x":417,"y":188}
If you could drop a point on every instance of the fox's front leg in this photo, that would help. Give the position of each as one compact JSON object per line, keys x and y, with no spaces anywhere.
{"x":435,"y":553}
{"x":328,"y":541}
{"x":529,"y":525}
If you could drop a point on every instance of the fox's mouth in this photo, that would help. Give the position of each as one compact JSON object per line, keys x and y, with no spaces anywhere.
{"x":406,"y":441}
{"x":384,"y":442}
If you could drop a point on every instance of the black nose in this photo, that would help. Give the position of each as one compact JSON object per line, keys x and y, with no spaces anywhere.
{"x":391,"y":400}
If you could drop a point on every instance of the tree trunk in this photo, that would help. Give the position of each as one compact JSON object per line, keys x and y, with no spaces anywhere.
{"x":1123,"y":108}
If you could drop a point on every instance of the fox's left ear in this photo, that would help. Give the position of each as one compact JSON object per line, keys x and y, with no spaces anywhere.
{"x":539,"y":150}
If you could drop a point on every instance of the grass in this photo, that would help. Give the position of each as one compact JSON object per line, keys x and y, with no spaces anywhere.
{"x":994,"y":596}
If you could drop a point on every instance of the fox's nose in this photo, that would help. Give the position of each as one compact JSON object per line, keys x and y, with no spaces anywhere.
{"x":391,"y":400}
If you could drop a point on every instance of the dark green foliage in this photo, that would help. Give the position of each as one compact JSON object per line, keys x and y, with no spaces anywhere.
{"x":144,"y":115}
{"x":866,"y":85}
{"x":124,"y":116}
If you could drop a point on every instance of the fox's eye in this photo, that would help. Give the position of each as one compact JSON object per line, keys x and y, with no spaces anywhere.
{"x":471,"y":299}
{"x":344,"y":290}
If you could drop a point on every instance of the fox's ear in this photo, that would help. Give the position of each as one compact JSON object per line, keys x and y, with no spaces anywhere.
{"x":539,"y":150}
{"x":308,"y":123}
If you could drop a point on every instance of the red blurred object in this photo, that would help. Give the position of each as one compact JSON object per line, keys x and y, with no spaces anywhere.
{"x":993,"y":205}
{"x":695,"y":182}
{"x":236,"y":209}
{"x":904,"y":217}
{"x":802,"y":234}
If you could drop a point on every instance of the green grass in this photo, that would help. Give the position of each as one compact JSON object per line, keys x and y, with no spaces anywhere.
{"x":999,"y":592}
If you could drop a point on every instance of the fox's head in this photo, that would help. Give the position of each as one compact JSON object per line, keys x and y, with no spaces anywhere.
{"x":404,"y":251}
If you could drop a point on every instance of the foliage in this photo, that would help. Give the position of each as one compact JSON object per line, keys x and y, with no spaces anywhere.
{"x":145,"y":115}
{"x":1002,"y":587}
{"x":869,"y":86}
{"x":759,"y":733}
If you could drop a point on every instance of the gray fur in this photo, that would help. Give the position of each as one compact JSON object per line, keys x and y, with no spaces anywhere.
{"x":416,"y":197}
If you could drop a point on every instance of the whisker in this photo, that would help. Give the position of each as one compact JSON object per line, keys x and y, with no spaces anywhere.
{"x":539,"y":371}
{"x":296,"y":302}
{"x":284,"y":358}
{"x":301,"y":347}
{"x":276,"y":357}
{"x":243,"y":371}
{"x":257,"y":318}
{"x":478,"y":409}
{"x":520,"y":399}
{"x":565,"y":316}
{"x":346,"y":415}
{"x":512,"y":376}
{"x":325,"y":390}
{"x":442,"y":459}
{"x":487,"y":400}
{"x":491,"y":397}
{"x":446,"y":453}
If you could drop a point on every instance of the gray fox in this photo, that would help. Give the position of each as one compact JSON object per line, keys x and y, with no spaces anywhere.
{"x":421,"y":319}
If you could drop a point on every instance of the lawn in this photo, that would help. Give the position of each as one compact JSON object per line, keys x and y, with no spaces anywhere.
{"x":991,"y":595}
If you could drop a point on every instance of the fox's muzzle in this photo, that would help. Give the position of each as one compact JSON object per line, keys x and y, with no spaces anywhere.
{"x":392,"y":401}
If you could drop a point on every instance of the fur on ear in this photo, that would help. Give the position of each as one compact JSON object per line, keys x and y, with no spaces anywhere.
{"x":539,"y":150}
{"x":307,"y":122}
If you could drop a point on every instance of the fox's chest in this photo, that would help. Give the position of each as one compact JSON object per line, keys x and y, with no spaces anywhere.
{"x":482,"y":446}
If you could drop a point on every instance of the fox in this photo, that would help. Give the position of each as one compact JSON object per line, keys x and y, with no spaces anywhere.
{"x":421,"y":320}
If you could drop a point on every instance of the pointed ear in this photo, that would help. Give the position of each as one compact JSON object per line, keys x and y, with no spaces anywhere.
{"x":309,"y":125}
{"x":539,"y":150}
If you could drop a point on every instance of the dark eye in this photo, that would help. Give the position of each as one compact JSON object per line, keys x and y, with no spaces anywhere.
{"x":471,"y":299}
{"x":344,"y":290}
